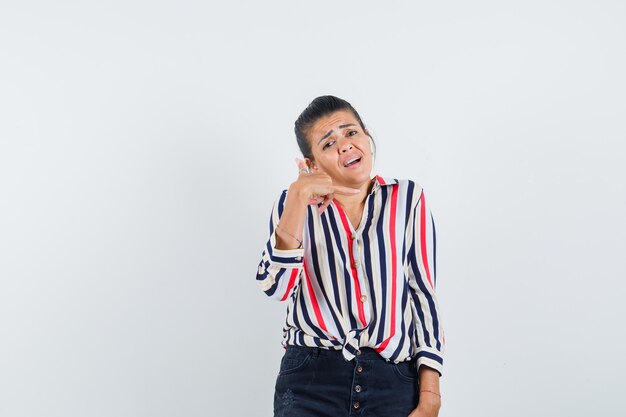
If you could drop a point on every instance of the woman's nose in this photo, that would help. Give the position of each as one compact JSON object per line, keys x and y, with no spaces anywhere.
{"x":346,"y":145}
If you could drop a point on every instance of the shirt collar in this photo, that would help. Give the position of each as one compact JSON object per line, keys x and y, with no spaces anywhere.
{"x":382,"y":182}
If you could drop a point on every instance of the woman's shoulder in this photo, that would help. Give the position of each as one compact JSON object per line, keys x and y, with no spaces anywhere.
{"x":409,"y":185}
{"x":279,"y":201}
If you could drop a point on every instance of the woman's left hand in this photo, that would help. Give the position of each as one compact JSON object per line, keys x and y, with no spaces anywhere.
{"x":427,"y":407}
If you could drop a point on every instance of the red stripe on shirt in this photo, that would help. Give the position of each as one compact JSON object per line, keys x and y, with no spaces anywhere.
{"x":423,"y":239}
{"x":292,"y":282}
{"x":357,"y":285}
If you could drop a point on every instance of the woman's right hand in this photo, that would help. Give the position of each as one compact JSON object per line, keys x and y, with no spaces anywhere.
{"x":317,"y":187}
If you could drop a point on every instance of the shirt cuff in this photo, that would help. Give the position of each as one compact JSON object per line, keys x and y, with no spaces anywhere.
{"x":288,"y":253}
{"x":285,"y":257}
{"x":430,"y":358}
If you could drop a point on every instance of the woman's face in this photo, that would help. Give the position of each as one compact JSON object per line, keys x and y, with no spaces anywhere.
{"x":336,"y":140}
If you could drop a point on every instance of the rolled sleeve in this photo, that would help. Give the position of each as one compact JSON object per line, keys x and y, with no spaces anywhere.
{"x":429,"y":333}
{"x":279,"y":270}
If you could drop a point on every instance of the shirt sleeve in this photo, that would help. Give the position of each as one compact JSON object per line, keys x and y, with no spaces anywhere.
{"x":422,"y":282}
{"x":279,"y":270}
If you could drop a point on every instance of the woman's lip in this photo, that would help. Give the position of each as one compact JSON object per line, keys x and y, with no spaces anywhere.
{"x":355,"y":165}
{"x":351,"y":157}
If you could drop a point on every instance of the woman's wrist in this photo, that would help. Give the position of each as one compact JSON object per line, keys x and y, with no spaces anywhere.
{"x":431,"y":392}
{"x":429,"y":401}
{"x":280,"y":230}
{"x":298,"y":195}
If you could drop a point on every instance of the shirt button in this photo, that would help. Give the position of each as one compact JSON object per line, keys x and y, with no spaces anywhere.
{"x":363,"y":298}
{"x":352,"y":237}
{"x":298,"y":259}
{"x":357,"y":388}
{"x":359,"y":369}
{"x":356,"y":404}
{"x":357,"y":264}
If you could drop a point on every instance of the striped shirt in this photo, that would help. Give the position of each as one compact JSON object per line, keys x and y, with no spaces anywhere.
{"x":370,"y":287}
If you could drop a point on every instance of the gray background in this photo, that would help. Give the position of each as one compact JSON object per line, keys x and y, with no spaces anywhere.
{"x":143,"y":143}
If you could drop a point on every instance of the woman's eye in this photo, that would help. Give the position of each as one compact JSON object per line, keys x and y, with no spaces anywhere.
{"x":330,"y":142}
{"x":351,"y":132}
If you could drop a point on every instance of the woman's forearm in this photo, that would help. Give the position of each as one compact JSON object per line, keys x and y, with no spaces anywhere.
{"x":429,"y":386}
{"x":292,"y":220}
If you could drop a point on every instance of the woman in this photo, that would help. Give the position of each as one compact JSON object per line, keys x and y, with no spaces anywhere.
{"x":354,"y":257}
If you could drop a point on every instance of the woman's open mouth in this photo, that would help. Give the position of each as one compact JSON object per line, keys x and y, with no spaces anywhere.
{"x":353,"y":163}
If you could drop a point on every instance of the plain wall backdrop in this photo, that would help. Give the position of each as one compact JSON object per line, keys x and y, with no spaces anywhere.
{"x":142,"y":145}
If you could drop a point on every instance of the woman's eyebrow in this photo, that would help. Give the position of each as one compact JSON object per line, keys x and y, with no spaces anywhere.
{"x":330,"y":132}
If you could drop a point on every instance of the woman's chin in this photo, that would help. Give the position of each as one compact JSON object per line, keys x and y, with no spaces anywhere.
{"x":358,"y":177}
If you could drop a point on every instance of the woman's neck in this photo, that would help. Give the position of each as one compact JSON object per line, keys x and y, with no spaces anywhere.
{"x":356,"y":201}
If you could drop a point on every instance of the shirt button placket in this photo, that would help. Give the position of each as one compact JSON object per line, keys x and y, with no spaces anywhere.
{"x":356,"y":264}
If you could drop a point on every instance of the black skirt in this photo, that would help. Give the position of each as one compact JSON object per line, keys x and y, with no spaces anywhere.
{"x":316,"y":382}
